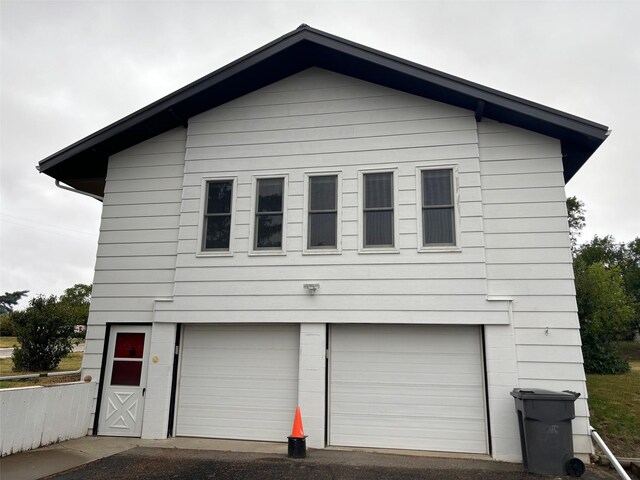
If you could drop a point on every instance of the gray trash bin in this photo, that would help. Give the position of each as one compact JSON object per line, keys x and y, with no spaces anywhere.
{"x":544,"y":418}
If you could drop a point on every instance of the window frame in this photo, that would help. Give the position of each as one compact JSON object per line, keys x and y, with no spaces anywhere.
{"x":306,"y":250}
{"x":456,"y":209}
{"x":200,"y":250}
{"x":361,"y":222}
{"x":253,"y":251}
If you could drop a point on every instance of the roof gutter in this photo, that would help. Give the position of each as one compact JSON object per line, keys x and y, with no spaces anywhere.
{"x":64,"y":187}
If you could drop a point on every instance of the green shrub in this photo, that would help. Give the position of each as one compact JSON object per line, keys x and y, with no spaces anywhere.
{"x":7,"y":327}
{"x":44,"y":333}
{"x":602,"y":358}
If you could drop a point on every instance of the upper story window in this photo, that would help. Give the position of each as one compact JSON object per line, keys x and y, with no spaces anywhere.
{"x":269,"y":213}
{"x":217,"y":215}
{"x":438,"y":208}
{"x":378,"y":210}
{"x":322,"y":225}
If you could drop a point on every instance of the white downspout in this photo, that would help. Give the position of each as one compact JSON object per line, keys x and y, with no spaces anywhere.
{"x":64,"y":187}
{"x":607,"y":452}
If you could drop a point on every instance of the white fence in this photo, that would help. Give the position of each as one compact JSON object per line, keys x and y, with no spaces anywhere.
{"x":34,"y":416}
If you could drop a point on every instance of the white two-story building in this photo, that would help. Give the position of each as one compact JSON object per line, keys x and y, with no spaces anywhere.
{"x":322,"y":224}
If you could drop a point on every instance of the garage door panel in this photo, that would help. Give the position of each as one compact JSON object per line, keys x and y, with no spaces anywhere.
{"x":344,"y":399}
{"x":222,"y":353}
{"x":442,"y":444}
{"x":393,"y":338}
{"x":433,"y":392}
{"x":405,"y":425}
{"x":207,"y":398}
{"x":403,"y":386}
{"x":405,"y":435}
{"x":408,"y":378}
{"x":227,"y":417}
{"x":233,"y":387}
{"x":409,"y":410}
{"x":241,"y":329}
{"x":226,"y":386}
{"x":390,"y":360}
{"x":238,"y":382}
{"x":249,"y":362}
{"x":268,"y":371}
{"x":236,"y":431}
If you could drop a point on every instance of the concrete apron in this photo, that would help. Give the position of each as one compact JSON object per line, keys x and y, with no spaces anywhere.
{"x":63,"y":456}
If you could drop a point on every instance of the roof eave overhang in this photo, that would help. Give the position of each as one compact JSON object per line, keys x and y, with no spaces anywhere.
{"x":294,"y":52}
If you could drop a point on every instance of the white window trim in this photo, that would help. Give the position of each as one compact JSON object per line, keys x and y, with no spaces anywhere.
{"x":252,"y":223}
{"x":456,"y":208}
{"x":305,"y":218}
{"x":200,"y":251}
{"x":396,"y":236}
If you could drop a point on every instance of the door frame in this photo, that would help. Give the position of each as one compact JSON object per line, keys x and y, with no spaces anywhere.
{"x":103,"y":366}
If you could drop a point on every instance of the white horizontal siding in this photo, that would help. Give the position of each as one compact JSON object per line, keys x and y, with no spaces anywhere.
{"x":527,"y":165}
{"x":525,"y":210}
{"x":202,"y":163}
{"x":144,"y":210}
{"x":528,"y":255}
{"x":552,"y":353}
{"x":355,"y":272}
{"x":447,"y":317}
{"x":545,"y":319}
{"x":528,"y":258}
{"x":138,"y":239}
{"x":321,"y":120}
{"x":332,"y":123}
{"x":335,"y":287}
{"x":299,"y":300}
{"x":297,"y":133}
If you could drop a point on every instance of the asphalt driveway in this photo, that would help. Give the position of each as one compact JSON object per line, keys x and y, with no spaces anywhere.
{"x":164,"y":464}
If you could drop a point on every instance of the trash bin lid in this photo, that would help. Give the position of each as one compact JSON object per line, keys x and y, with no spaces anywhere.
{"x":542,"y":394}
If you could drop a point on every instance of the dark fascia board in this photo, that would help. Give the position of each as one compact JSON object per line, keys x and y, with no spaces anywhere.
{"x":295,"y":51}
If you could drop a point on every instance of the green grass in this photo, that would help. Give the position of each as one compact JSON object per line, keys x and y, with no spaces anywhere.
{"x":614,"y":403}
{"x":71,"y":362}
{"x":8,"y":342}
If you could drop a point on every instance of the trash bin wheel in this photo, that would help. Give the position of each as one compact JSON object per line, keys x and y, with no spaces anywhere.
{"x":574,"y":467}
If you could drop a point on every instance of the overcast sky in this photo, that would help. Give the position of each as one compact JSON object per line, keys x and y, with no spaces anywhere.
{"x":70,"y":68}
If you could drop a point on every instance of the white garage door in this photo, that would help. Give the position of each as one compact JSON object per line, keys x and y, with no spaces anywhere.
{"x":410,"y":387}
{"x":238,"y":381}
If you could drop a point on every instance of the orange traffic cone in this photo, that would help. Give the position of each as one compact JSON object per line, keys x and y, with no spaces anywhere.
{"x":297,"y":439}
{"x":297,"y":431}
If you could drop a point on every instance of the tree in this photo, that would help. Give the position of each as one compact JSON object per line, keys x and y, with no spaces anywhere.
{"x":603,"y":250}
{"x":576,"y":218}
{"x":79,"y":294}
{"x":44,"y":332}
{"x":605,"y":310}
{"x":7,"y":327}
{"x":624,"y":257}
{"x":632,"y":276}
{"x":9,"y":300}
{"x":77,"y":300}
{"x":607,"y":276}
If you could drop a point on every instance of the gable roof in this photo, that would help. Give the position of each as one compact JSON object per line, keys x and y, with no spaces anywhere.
{"x":83,"y":165}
